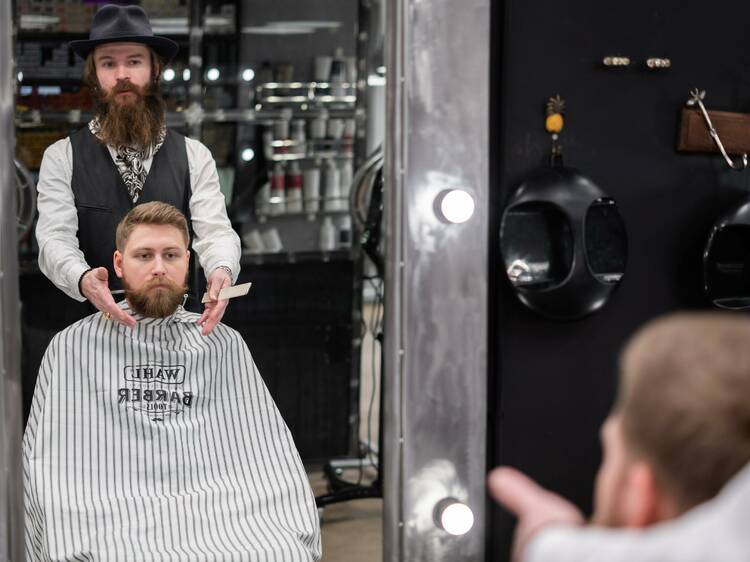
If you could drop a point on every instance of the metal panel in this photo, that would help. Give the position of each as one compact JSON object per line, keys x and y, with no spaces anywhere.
{"x":11,"y":486}
{"x":436,"y":301}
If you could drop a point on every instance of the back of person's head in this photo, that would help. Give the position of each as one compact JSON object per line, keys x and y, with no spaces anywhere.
{"x":684,"y":401}
{"x":152,"y":213}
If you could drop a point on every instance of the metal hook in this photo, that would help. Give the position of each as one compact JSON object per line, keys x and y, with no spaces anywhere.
{"x":696,"y":98}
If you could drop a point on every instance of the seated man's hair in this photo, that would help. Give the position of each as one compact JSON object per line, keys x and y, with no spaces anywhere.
{"x":684,"y":401}
{"x":154,"y":213}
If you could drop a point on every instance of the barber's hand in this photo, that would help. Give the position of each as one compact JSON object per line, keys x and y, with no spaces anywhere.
{"x":214,"y":309}
{"x":534,"y":506}
{"x":95,"y":288}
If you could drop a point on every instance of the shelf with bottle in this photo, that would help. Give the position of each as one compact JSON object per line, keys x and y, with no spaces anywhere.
{"x":312,"y":155}
{"x":321,"y":137}
{"x":316,"y":93}
{"x":312,"y":209}
{"x":72,"y":19}
{"x":315,"y":188}
{"x":297,"y":233}
{"x":251,"y":258}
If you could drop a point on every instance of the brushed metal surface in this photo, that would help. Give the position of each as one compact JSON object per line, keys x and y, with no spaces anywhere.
{"x":11,"y":430}
{"x":436,"y":300}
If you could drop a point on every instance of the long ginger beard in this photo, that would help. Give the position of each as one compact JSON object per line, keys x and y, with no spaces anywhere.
{"x":158,"y":298}
{"x":130,"y":122}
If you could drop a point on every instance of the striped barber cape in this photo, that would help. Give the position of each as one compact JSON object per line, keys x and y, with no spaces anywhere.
{"x":157,"y":443}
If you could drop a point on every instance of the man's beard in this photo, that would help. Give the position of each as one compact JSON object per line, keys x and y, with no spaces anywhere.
{"x":157,"y":298}
{"x":136,"y":123}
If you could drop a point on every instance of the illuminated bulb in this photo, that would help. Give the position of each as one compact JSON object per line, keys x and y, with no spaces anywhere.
{"x":454,"y":205}
{"x":20,"y":76}
{"x":454,"y":517}
{"x":247,"y":154}
{"x":213,"y":74}
{"x":248,"y":74}
{"x":186,"y":75}
{"x":169,"y":75}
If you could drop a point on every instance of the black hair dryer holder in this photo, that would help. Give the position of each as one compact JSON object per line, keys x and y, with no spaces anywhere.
{"x":726,"y":259}
{"x":563,"y":243}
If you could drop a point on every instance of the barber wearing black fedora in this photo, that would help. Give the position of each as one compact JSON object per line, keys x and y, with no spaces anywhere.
{"x":123,"y":157}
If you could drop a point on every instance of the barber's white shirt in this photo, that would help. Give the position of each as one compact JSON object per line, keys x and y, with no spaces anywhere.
{"x":716,"y":531}
{"x":60,"y":257}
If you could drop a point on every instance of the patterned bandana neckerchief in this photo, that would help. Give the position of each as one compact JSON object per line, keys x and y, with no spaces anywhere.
{"x":129,"y":161}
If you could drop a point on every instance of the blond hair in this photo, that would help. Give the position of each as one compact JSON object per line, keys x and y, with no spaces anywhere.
{"x":684,"y":401}
{"x":154,"y":212}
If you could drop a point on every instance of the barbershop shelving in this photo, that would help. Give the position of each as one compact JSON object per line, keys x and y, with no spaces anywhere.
{"x":296,"y":257}
{"x":227,"y":114}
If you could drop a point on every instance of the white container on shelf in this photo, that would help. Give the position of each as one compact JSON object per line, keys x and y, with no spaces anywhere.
{"x":281,"y":126}
{"x":335,"y":128}
{"x":262,"y":199}
{"x":267,"y":142}
{"x":327,"y":235}
{"x":294,"y":189}
{"x":351,"y":70}
{"x":338,"y":73}
{"x":346,"y":174}
{"x":254,"y":242}
{"x":272,"y":240}
{"x":344,"y":238}
{"x":333,"y":187}
{"x":323,"y":68}
{"x":350,"y":128}
{"x":311,"y":188}
{"x":278,"y":182}
{"x":298,"y":135}
{"x":318,"y":126}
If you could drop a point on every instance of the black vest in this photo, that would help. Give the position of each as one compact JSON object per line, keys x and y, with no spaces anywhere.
{"x":102,"y":198}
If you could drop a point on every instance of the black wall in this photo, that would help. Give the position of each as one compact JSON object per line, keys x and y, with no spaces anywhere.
{"x":553,"y":382}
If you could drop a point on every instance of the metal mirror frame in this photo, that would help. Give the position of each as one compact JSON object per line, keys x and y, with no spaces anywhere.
{"x":11,"y":430}
{"x":435,"y":377}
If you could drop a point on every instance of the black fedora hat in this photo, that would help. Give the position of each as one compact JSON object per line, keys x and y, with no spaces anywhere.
{"x":123,"y":24}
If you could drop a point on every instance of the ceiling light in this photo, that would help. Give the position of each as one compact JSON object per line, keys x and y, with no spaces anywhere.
{"x":186,"y":75}
{"x":169,"y":74}
{"x":247,"y":154}
{"x":248,"y":74}
{"x":213,"y":74}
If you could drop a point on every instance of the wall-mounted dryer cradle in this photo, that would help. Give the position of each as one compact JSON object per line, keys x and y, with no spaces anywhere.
{"x":726,"y":259}
{"x":563,"y":243}
{"x":726,"y":256}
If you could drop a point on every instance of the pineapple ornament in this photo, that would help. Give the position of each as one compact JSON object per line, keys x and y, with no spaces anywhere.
{"x":554,"y":125}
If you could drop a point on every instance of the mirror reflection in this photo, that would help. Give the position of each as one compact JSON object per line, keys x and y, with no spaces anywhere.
{"x":166,"y":150}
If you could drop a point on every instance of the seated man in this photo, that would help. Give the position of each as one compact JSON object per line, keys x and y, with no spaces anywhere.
{"x":156,"y":442}
{"x":679,"y":431}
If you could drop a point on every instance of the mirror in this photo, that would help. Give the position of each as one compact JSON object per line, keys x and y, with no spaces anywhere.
{"x":290,"y":99}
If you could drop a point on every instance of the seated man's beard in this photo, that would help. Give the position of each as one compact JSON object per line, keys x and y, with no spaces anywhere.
{"x":135,"y":123}
{"x":156,"y":299}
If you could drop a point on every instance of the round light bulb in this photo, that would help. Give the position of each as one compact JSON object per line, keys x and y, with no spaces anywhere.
{"x":455,"y":205}
{"x":454,"y":517}
{"x":247,"y":154}
{"x":248,"y":74}
{"x":213,"y":74}
{"x":186,"y":75}
{"x":169,"y":74}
